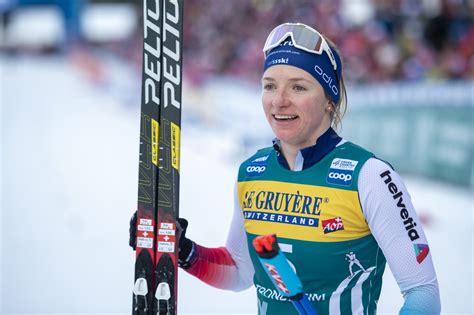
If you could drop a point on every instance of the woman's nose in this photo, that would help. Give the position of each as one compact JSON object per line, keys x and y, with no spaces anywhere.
{"x":280,"y":99}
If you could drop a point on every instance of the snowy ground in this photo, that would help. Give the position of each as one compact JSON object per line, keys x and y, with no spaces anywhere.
{"x":69,"y":156}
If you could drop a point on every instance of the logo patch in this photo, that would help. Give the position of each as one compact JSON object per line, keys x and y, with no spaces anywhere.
{"x":408,"y":222}
{"x":421,"y":251}
{"x":332,"y":225}
{"x":257,"y":166}
{"x":281,"y":218}
{"x":261,"y":159}
{"x":341,"y":172}
{"x":255,"y":170}
{"x":344,"y":164}
{"x":339,"y":177}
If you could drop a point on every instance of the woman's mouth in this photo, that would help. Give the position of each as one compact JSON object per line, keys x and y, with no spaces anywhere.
{"x":284,"y":117}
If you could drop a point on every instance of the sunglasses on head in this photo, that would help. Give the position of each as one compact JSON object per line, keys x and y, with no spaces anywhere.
{"x":302,"y":36}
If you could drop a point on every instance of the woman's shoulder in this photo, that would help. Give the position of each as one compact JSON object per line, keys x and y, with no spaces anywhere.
{"x":261,"y":156}
{"x":349,"y":145}
{"x":256,"y":164}
{"x":349,"y":150}
{"x":358,"y":150}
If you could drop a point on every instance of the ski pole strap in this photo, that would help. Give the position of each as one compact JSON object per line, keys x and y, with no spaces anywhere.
{"x":187,"y":254}
{"x":281,"y":273}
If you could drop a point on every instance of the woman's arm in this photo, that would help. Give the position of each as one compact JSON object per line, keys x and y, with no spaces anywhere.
{"x":228,"y":267}
{"x":394,"y":223}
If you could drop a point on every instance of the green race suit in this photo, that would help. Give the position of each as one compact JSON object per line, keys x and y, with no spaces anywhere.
{"x":317,"y":216}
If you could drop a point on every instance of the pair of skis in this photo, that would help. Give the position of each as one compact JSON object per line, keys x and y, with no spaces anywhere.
{"x":156,"y":265}
{"x":155,"y":288}
{"x":281,"y":273}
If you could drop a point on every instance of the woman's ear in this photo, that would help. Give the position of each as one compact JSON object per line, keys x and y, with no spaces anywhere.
{"x":330,"y":107}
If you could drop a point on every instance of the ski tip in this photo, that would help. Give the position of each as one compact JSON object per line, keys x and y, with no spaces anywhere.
{"x":266,"y":246}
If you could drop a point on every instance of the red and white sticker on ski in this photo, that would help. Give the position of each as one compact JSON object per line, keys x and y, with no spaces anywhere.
{"x":166,"y":237}
{"x":145,"y":234}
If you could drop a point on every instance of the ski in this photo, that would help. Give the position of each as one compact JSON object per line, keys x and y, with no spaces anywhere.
{"x":166,"y":270}
{"x":282,"y":275}
{"x":155,"y":288}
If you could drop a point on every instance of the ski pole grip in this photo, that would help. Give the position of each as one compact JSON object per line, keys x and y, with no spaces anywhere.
{"x":266,"y":246}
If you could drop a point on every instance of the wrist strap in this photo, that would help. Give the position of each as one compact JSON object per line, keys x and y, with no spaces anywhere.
{"x":188,"y":261}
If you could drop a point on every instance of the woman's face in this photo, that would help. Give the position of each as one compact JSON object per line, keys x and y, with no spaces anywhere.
{"x":295,"y":105}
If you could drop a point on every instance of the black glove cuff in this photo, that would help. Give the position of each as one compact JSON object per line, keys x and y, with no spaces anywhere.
{"x":132,"y":241}
{"x":187,"y":254}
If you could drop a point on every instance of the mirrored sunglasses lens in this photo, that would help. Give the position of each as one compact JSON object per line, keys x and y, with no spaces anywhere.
{"x":307,"y":39}
{"x":302,"y":37}
{"x":275,"y":38}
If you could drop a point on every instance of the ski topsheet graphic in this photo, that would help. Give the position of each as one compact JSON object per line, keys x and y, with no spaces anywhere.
{"x":155,"y":288}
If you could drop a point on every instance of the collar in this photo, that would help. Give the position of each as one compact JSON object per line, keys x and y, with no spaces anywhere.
{"x":309,"y":156}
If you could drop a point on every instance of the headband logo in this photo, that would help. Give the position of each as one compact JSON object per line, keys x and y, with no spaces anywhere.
{"x":287,"y":43}
{"x":326,"y":79}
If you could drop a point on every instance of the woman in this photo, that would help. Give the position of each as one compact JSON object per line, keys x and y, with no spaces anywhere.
{"x":338,"y":211}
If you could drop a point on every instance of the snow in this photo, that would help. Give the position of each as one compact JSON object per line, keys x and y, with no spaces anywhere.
{"x":69,"y":156}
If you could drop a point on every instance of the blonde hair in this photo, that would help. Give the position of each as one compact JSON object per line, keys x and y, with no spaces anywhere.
{"x":339,"y":109}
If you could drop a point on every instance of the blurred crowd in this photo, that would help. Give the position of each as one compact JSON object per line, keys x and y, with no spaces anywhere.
{"x":379,"y":40}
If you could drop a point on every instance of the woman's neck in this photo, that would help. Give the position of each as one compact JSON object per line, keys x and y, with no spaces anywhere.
{"x":290,"y":151}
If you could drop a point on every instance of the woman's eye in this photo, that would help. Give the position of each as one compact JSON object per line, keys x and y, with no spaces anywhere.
{"x":299,"y":88}
{"x":268,"y":86}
